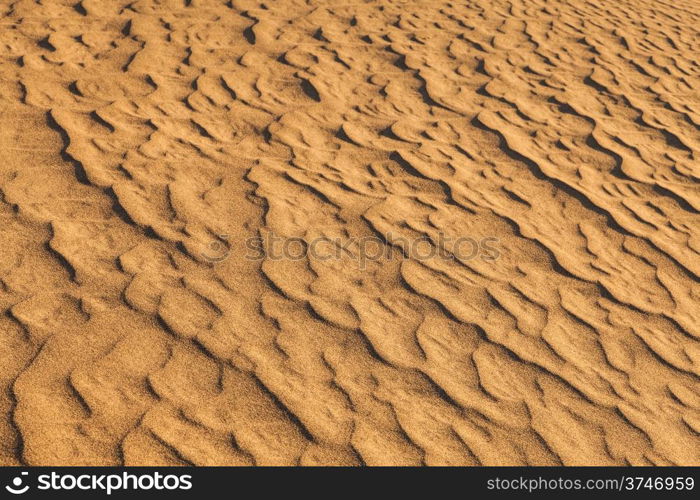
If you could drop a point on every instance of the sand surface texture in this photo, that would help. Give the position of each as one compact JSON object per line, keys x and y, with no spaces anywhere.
{"x":146,"y":143}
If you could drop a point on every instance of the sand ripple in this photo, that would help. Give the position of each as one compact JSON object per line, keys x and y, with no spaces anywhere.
{"x":146,"y":143}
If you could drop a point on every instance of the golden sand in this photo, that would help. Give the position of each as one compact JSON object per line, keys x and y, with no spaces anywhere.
{"x":149,"y":146}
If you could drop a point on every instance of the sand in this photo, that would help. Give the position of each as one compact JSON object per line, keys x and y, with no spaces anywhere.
{"x":240,"y":232}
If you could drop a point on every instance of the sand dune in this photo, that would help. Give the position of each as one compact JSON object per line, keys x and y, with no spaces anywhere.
{"x":231,"y":232}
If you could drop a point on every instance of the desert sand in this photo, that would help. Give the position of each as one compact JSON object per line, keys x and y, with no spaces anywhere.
{"x":148,"y":146}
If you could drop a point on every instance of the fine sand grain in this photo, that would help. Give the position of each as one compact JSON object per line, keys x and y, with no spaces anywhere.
{"x":350,"y":232}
